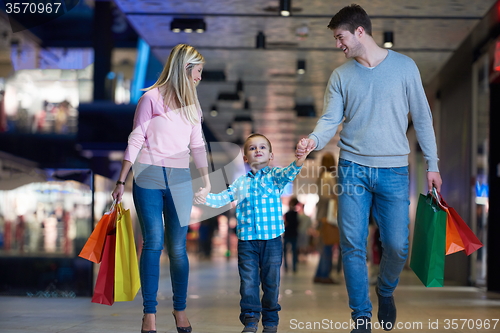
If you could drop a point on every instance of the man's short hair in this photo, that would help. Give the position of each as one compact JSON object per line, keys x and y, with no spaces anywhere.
{"x":350,"y":18}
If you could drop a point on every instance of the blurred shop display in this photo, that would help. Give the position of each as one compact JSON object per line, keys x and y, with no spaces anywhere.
{"x":46,"y":216}
{"x":43,"y":101}
{"x":46,"y":101}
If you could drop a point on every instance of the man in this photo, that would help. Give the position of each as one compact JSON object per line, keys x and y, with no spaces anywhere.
{"x":372,"y":95}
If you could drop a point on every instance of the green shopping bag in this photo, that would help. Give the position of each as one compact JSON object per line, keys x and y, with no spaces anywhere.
{"x":429,"y":242}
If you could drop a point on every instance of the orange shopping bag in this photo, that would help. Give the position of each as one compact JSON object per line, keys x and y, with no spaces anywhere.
{"x":454,"y":242}
{"x":92,"y":250}
{"x":469,"y":241}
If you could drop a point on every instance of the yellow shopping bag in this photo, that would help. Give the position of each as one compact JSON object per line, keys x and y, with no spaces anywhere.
{"x":127,"y":281}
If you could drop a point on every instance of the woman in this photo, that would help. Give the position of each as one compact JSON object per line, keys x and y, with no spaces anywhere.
{"x":328,"y":229}
{"x":167,"y":126}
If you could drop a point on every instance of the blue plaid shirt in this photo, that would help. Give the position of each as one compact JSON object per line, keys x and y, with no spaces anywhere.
{"x":258,"y":211}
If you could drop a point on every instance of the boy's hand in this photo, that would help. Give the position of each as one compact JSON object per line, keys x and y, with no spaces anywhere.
{"x":304,"y":147}
{"x":200,"y":197}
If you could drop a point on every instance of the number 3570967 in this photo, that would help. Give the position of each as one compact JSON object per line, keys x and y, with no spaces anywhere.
{"x":32,"y":8}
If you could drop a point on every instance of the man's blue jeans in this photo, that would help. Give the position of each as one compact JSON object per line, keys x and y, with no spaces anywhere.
{"x":259,"y":262}
{"x":383,"y":192}
{"x":167,"y":192}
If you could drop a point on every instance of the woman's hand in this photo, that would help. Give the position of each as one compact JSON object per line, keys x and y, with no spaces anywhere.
{"x":117,"y":193}
{"x":200,"y":197}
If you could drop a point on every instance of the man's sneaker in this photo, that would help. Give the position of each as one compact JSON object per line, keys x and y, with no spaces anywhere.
{"x":386,"y":311}
{"x":362,"y":325}
{"x":251,"y":327}
{"x":270,"y":329}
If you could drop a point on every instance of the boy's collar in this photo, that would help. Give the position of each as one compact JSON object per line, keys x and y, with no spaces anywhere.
{"x":264,"y":170}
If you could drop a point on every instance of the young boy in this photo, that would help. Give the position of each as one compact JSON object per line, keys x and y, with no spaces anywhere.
{"x":259,"y":229}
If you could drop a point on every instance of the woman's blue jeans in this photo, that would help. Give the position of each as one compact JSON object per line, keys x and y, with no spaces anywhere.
{"x":259,"y":263}
{"x":385,"y":193}
{"x":163,"y":201}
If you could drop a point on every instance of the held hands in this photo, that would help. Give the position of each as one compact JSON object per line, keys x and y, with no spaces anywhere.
{"x":304,"y":147}
{"x":200,"y":197}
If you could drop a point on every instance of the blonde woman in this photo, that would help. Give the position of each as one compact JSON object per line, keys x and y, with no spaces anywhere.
{"x":167,"y":128}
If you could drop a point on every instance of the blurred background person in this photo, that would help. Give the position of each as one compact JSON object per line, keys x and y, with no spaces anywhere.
{"x":326,"y":217}
{"x":304,"y":231}
{"x":290,"y":237}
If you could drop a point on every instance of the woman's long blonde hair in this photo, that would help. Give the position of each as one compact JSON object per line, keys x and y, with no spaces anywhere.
{"x":176,"y":83}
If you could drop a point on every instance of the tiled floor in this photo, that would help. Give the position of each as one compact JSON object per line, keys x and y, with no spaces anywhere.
{"x":213,"y":306}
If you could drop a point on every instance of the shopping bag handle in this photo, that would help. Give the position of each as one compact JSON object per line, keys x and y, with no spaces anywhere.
{"x":119,"y":208}
{"x":437,"y":196}
{"x":113,"y":205}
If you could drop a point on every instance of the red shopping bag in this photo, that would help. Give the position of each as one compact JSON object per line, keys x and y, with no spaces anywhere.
{"x":93,"y":248}
{"x":105,"y":283}
{"x":470,"y":242}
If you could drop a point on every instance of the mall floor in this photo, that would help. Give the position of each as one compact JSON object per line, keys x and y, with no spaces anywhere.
{"x":213,"y":306}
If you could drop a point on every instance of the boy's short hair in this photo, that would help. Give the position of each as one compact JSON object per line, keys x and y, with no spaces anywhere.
{"x":253,"y":136}
{"x":350,"y":18}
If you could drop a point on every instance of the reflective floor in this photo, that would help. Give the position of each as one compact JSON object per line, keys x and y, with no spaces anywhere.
{"x":213,"y":306}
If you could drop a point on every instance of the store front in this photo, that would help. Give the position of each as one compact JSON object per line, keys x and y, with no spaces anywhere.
{"x":46,"y":217}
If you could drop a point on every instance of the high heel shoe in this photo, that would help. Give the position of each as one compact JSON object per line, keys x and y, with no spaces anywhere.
{"x":143,"y":331}
{"x":182,"y":329}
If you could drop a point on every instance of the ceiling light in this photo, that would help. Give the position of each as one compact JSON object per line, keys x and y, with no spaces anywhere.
{"x":301,"y":67}
{"x":285,"y":7}
{"x":388,"y":39}
{"x":188,"y":25}
{"x":260,"y":41}
{"x":214,"y":111}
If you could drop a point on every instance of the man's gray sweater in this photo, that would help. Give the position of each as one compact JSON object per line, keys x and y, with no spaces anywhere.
{"x":373,"y":104}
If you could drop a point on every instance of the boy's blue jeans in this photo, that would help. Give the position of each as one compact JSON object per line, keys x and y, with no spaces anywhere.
{"x":383,"y":192}
{"x":163,"y":191}
{"x":259,"y":263}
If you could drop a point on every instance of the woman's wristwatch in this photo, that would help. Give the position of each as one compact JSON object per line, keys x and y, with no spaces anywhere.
{"x":120,"y":182}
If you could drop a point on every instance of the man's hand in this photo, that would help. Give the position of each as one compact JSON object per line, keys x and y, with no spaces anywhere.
{"x":434,"y":180}
{"x":304,"y":147}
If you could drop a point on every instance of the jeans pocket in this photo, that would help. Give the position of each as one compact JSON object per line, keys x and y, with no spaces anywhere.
{"x":402,"y":171}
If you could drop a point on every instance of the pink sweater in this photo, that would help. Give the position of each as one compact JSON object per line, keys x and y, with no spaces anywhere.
{"x":163,"y":137}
